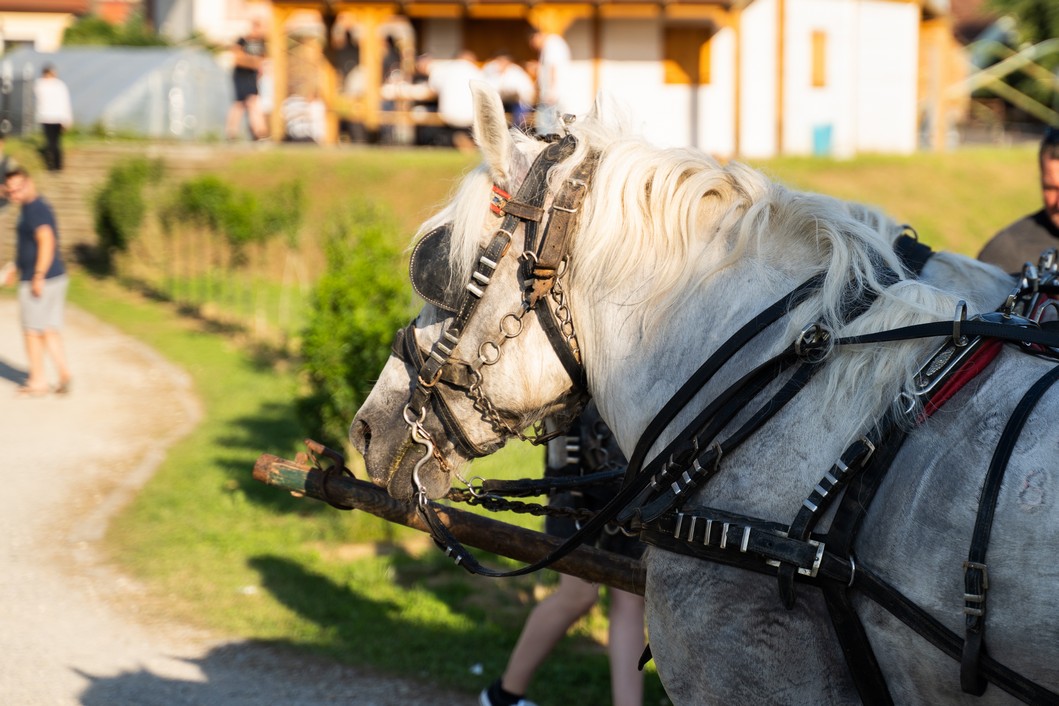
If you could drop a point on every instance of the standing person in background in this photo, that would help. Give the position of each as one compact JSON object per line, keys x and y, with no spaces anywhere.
{"x":1025,"y":239}
{"x":513,"y":84}
{"x":249,"y":56}
{"x":54,"y":114}
{"x":451,"y":82}
{"x":42,"y":284}
{"x":589,"y":447}
{"x":553,"y":75}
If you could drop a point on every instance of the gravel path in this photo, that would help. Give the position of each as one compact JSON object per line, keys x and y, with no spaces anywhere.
{"x":73,"y":630}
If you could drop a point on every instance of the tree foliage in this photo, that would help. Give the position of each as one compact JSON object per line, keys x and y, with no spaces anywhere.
{"x":1036,"y":20}
{"x":93,"y":30}
{"x":356,"y":306}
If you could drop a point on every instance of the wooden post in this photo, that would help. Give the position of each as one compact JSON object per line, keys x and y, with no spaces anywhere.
{"x":277,"y":54}
{"x":585,"y":562}
{"x":368,"y":19}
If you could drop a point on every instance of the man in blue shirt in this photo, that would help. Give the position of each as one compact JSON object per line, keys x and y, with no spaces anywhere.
{"x":42,"y":283}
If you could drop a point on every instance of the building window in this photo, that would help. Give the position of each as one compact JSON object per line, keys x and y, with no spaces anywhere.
{"x":819,"y":44}
{"x":687,"y":55}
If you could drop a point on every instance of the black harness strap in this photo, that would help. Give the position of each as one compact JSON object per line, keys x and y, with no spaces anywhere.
{"x":709,"y":368}
{"x":976,"y":576}
{"x":411,"y":354}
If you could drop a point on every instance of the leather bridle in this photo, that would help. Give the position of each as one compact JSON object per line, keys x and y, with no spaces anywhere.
{"x":543,"y":263}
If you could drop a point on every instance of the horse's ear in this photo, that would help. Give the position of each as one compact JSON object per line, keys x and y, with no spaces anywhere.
{"x":605,"y":110}
{"x":491,"y":132}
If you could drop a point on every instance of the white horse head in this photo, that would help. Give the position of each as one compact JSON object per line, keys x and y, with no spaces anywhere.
{"x":506,"y":384}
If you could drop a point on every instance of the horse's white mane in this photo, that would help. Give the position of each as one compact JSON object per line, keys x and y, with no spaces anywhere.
{"x":665,"y":221}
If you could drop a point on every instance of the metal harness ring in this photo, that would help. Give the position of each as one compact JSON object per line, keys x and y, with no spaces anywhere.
{"x":958,"y":339}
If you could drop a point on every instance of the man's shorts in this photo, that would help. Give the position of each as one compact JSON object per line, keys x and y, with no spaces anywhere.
{"x":245,"y":85}
{"x":43,"y":313}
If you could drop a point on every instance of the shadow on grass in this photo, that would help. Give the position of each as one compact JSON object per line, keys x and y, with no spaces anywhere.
{"x":274,"y":429}
{"x":464,"y":651}
{"x":379,"y":632}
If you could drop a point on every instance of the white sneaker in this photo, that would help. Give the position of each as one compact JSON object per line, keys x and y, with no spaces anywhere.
{"x":484,"y":700}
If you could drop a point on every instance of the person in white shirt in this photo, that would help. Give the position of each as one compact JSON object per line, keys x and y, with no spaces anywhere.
{"x":514,"y":85}
{"x":553,"y":75}
{"x":54,"y":114}
{"x":451,"y":81}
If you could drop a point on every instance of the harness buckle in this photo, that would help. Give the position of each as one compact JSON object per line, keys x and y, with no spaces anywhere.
{"x":433,"y":379}
{"x":958,"y":339}
{"x":813,"y":570}
{"x":811,"y":343}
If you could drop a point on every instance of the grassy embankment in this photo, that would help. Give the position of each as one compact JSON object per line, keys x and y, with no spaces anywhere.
{"x":221,"y":551}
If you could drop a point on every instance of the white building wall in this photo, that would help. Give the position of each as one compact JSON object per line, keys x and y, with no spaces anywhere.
{"x":868,"y":101}
{"x":631,"y":77}
{"x":581,"y":89}
{"x":43,"y":29}
{"x":717,"y":100}
{"x":757,"y":109}
{"x":887,"y":82}
{"x":820,"y":119}
{"x":442,"y":37}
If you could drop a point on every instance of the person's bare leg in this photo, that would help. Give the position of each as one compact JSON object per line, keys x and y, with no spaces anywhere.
{"x":544,"y":627}
{"x":35,"y":353}
{"x":54,"y":343}
{"x":256,"y":117}
{"x":235,"y":117}
{"x":625,"y":645}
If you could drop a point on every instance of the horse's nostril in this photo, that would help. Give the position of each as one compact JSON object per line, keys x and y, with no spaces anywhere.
{"x":360,"y":435}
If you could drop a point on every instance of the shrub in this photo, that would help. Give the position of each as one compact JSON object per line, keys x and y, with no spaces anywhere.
{"x":239,"y":215}
{"x":356,"y":306}
{"x":119,"y":207}
{"x":94,"y":30}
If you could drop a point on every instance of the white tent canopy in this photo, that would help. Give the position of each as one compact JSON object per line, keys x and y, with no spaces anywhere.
{"x":159,"y":92}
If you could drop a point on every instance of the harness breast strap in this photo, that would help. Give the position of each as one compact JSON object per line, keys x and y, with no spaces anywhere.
{"x":975,"y":571}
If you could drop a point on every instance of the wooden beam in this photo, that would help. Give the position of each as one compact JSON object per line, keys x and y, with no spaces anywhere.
{"x":585,"y":562}
{"x":434,"y":10}
{"x":277,"y":54}
{"x":630,"y":11}
{"x":711,"y":13}
{"x":498,"y":11}
{"x":368,"y":19}
{"x":556,"y":19}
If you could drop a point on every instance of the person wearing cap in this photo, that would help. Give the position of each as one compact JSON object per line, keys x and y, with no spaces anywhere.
{"x":1025,"y":239}
{"x":42,"y":284}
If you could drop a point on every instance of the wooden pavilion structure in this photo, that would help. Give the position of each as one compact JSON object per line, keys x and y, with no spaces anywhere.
{"x":500,"y":23}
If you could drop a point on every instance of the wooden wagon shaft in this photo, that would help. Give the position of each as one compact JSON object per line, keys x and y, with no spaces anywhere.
{"x":588,"y":563}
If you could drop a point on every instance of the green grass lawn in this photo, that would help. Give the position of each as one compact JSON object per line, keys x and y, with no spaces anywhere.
{"x":226,"y":552}
{"x":222,"y":551}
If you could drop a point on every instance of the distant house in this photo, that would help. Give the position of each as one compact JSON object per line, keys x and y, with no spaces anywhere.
{"x":37,"y":24}
{"x":748,"y":77}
